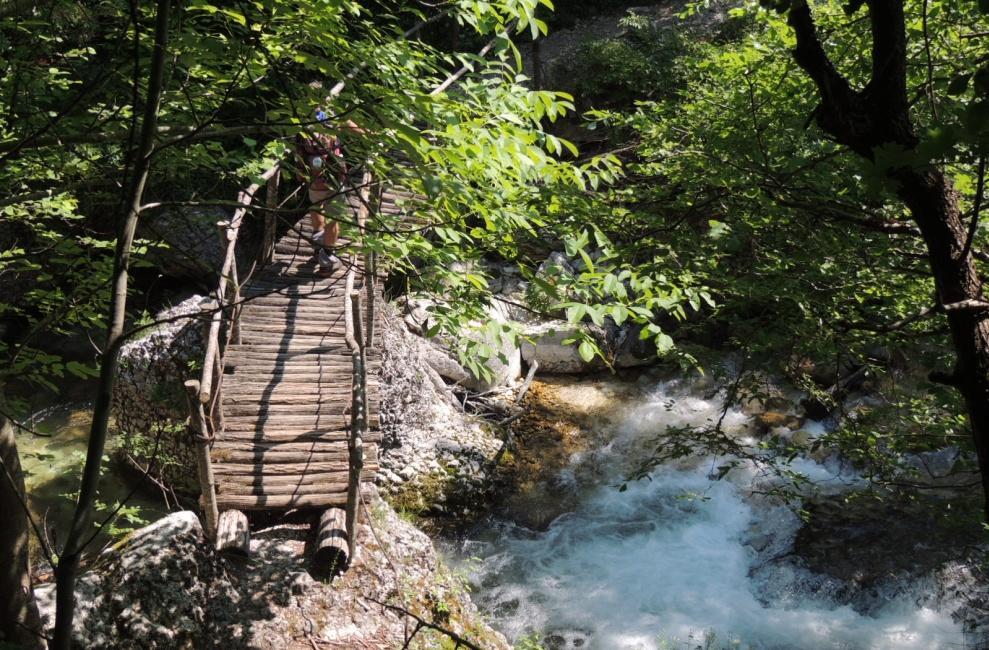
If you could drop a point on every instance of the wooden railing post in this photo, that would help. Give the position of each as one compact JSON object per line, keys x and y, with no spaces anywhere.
{"x":215,"y":404}
{"x":234,"y":303}
{"x":358,"y":409}
{"x":199,"y":430}
{"x":212,"y":342}
{"x":370,"y":260}
{"x":268,"y":235}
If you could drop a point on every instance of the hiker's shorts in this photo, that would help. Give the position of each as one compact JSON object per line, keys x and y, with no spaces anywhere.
{"x":317,"y":197}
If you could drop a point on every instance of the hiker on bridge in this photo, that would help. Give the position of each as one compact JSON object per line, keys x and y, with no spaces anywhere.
{"x":323,"y":165}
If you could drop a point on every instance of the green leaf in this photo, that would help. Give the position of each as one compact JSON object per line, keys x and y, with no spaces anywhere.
{"x":81,"y":370}
{"x":586,"y":351}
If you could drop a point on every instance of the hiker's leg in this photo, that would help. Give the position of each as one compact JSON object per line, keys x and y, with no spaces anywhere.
{"x":317,"y":207}
{"x":330,"y":234}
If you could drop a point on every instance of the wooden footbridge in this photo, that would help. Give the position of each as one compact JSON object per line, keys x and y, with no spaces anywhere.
{"x":285,"y":413}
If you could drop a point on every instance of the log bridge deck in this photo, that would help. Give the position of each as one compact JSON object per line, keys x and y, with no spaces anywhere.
{"x":286,"y":394}
{"x":285,"y":414}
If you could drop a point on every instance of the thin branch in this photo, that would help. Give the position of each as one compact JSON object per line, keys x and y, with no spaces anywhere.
{"x":886,"y":328}
{"x":974,"y":223}
{"x":421,"y":622}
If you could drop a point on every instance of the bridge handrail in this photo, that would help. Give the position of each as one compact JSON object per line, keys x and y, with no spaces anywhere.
{"x":205,"y":393}
{"x":357,"y":343}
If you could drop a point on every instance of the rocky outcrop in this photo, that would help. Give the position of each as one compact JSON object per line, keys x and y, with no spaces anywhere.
{"x":867,"y":552}
{"x":543,"y":343}
{"x":188,"y":243}
{"x":165,"y":587}
{"x":149,"y":403}
{"x":432,"y":453}
{"x":160,"y":587}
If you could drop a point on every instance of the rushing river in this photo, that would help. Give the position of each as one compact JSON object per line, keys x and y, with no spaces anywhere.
{"x":668,"y":563}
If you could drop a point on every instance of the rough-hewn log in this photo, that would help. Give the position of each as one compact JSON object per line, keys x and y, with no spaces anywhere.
{"x":332,"y":543}
{"x":211,"y":310}
{"x":215,"y":404}
{"x":233,"y":533}
{"x":261,"y":446}
{"x":290,"y":327}
{"x":285,"y":501}
{"x":268,"y":234}
{"x":237,"y":357}
{"x":358,"y":416}
{"x":281,"y":469}
{"x":279,"y":367}
{"x":315,"y":483}
{"x":297,"y":434}
{"x":290,"y":348}
{"x":302,"y":487}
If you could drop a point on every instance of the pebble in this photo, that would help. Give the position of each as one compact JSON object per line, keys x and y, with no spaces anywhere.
{"x":301,"y":581}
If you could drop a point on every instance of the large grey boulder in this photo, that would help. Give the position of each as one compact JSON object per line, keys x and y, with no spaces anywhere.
{"x":188,"y":244}
{"x":151,"y":590}
{"x":149,"y":403}
{"x":164,"y":587}
{"x":504,"y":362}
{"x":544,"y":343}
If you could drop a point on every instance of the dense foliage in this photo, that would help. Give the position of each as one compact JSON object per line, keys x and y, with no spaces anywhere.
{"x":706,"y":204}
{"x":813,"y":261}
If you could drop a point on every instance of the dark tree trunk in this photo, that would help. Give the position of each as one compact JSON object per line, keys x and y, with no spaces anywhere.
{"x":19,"y":621}
{"x":933,"y":202}
{"x":80,"y":530}
{"x":877,"y":115}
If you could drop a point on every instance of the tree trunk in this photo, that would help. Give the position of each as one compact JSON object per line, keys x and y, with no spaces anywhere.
{"x":878,"y":115}
{"x":20,"y":624}
{"x":80,"y":531}
{"x":933,"y":202}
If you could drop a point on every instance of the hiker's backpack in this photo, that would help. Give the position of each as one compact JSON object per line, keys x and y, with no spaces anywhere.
{"x":322,"y":156}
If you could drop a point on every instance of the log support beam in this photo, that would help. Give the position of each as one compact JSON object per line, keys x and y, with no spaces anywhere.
{"x":233,"y":533}
{"x":332,"y":542}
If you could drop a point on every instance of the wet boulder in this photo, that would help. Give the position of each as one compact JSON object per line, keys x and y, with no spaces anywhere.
{"x":876,"y":549}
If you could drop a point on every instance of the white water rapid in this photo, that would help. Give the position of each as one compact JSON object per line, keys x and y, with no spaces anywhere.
{"x":670,"y":562}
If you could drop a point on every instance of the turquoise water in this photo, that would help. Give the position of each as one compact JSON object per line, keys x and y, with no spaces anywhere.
{"x":52,"y":455}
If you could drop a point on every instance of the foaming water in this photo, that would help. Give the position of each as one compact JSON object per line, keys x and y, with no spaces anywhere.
{"x":665,"y":564}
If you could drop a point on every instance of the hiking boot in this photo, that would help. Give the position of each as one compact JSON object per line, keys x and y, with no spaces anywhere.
{"x":328,"y":262}
{"x":317,"y":242}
